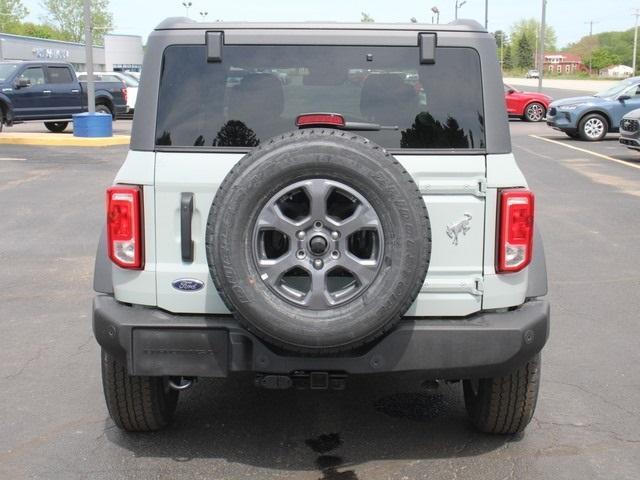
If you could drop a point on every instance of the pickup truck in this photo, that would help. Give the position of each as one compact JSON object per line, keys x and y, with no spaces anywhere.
{"x":50,"y":91}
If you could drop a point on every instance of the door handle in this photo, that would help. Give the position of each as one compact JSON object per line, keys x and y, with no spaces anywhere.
{"x":75,"y":90}
{"x":46,"y":91}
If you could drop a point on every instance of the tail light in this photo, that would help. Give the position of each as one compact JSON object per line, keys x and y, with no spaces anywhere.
{"x":125,"y":94}
{"x":515,"y":241}
{"x":124,"y":226}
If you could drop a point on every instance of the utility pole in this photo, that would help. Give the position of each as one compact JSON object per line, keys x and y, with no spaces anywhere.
{"x":486,"y":15}
{"x":591,"y":22}
{"x":88,"y":45}
{"x":635,"y":41}
{"x":541,"y":48}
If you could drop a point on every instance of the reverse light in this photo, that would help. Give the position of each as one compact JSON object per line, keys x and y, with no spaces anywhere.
{"x":320,"y":120}
{"x":515,"y":240}
{"x":124,"y":226}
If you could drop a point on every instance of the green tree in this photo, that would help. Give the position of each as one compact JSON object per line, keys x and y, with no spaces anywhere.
{"x":366,"y":18}
{"x":11,"y":13}
{"x":508,"y":58}
{"x":530,"y":28}
{"x":616,"y":43}
{"x":68,"y":17}
{"x":602,"y":58}
{"x":524,"y":52}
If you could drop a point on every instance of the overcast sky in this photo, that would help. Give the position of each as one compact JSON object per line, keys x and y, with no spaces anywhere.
{"x":568,"y":17}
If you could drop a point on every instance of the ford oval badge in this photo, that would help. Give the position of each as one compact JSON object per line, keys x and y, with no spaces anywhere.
{"x":187,"y":285}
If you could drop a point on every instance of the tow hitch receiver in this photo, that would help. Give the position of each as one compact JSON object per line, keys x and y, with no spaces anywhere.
{"x":303,"y":381}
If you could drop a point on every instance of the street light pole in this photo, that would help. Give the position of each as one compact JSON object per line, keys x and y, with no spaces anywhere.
{"x":502,"y":51}
{"x":186,"y":6}
{"x":541,"y":48}
{"x":486,"y":15}
{"x":459,"y":5}
{"x":436,"y":11}
{"x":88,"y":45}
{"x":635,"y":41}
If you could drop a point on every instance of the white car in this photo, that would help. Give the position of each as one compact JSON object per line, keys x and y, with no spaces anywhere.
{"x":130,"y":82}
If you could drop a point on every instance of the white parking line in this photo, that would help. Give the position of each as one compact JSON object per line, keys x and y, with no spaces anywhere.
{"x":12,"y":159}
{"x":583,"y":150}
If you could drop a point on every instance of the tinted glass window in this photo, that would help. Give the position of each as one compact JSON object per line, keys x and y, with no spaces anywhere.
{"x":60,"y":75}
{"x":6,"y":70}
{"x":35,"y":75}
{"x":258,"y":91}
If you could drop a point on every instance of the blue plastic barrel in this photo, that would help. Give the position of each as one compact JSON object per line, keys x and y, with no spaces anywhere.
{"x":92,"y":125}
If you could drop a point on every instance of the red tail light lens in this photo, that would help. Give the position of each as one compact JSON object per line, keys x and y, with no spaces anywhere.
{"x":125,"y":94}
{"x":515,"y":242}
{"x":320,"y":120}
{"x":124,"y":226}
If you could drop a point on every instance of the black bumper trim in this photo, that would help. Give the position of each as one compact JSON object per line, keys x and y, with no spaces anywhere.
{"x":155,"y":342}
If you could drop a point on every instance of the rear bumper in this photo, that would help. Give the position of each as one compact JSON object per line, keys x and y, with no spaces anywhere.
{"x":155,"y":342}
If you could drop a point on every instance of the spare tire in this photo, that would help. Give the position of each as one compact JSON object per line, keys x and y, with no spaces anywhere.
{"x":318,"y":241}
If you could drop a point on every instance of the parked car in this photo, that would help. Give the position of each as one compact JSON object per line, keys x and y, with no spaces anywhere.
{"x":134,"y":75}
{"x":51,"y":92}
{"x":312,"y":231}
{"x":532,"y":74}
{"x":530,"y":106}
{"x":630,"y":130}
{"x":130,"y":83}
{"x":590,"y":118}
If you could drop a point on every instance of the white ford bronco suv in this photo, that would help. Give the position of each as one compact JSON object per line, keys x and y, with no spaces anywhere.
{"x":309,"y":202}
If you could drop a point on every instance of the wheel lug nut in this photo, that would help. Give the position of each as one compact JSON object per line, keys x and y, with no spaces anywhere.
{"x":335,"y":235}
{"x":301,"y":254}
{"x":300,"y":235}
{"x":318,"y":264}
{"x":317,"y":225}
{"x":335,"y":254}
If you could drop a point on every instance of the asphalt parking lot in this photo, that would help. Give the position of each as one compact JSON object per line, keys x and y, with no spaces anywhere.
{"x":54,"y":422}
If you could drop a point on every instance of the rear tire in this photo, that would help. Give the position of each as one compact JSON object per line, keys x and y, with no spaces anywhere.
{"x":136,"y":403}
{"x":593,"y":127}
{"x":101,"y":108}
{"x":504,"y":405}
{"x":56,"y":127}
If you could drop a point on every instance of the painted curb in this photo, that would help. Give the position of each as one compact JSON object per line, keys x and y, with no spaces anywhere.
{"x":61,"y":140}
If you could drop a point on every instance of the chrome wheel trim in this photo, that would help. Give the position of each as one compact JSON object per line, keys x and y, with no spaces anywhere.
{"x":593,"y":128}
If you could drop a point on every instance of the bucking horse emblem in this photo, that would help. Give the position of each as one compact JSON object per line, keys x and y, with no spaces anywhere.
{"x":462,"y":227}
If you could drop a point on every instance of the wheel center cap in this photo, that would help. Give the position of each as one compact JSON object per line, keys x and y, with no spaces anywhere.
{"x":318,"y":245}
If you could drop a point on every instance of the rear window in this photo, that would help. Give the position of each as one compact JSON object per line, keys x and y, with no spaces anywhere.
{"x":60,"y":75}
{"x":257,"y":92}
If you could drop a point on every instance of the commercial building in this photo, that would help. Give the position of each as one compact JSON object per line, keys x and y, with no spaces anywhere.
{"x":120,"y":52}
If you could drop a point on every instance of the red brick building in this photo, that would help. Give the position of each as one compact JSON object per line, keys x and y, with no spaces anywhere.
{"x":563,"y":64}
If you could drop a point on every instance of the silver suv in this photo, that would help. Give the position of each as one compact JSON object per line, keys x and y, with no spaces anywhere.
{"x":309,"y":202}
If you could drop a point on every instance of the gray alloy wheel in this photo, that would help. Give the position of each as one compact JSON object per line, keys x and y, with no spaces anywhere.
{"x":535,"y":112}
{"x":593,"y":127}
{"x":319,"y":244}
